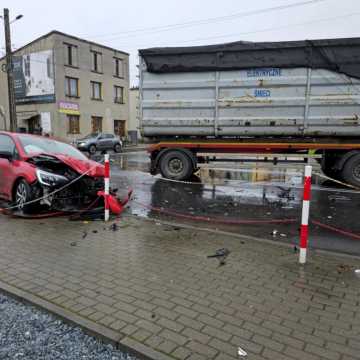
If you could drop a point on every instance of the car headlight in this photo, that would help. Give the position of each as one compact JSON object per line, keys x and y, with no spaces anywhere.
{"x":50,"y":179}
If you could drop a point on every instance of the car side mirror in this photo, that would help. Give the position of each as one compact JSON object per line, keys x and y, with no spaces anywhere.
{"x":6,"y":155}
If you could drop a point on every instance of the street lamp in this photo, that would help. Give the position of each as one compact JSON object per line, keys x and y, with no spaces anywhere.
{"x":17,"y":18}
{"x":9,"y":68}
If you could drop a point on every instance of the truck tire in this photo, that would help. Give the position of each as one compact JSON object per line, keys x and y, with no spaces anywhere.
{"x":351,"y":171}
{"x":176,"y":165}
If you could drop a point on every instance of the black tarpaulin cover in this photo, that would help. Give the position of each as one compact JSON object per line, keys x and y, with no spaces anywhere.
{"x":340,"y":55}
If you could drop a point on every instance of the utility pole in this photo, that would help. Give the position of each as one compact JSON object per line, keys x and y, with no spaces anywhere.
{"x":10,"y":75}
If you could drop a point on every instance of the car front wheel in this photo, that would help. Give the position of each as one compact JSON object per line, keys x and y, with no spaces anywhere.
{"x":24,"y":195}
{"x":92,"y":149}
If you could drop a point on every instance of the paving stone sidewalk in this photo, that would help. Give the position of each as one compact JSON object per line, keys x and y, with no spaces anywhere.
{"x":155,"y":286}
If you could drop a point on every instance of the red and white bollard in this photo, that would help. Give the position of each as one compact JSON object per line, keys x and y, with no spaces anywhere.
{"x":304,"y":234}
{"x":107,"y":187}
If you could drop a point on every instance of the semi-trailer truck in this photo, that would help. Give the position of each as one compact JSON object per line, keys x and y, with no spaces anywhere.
{"x":296,"y":97}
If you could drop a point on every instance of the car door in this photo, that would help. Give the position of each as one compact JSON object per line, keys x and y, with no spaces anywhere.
{"x":109,"y":141}
{"x":101,"y":142}
{"x":7,"y":167}
{"x":106,"y":141}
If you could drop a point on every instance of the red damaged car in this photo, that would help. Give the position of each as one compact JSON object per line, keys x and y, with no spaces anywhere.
{"x":33,"y":167}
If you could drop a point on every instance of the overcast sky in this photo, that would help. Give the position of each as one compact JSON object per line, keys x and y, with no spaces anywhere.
{"x":130,"y":25}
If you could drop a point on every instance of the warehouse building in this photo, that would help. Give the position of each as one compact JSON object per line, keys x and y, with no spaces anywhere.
{"x":68,"y":87}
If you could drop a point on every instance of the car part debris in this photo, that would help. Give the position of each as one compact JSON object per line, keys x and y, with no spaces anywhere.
{"x":84,"y":234}
{"x":274,"y":233}
{"x":221,"y":255}
{"x":334,"y":198}
{"x":342,"y":268}
{"x":114,"y":227}
{"x":241,"y":352}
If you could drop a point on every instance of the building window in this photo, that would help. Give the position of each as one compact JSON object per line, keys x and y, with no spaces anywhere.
{"x":119,"y":94}
{"x":96,"y":93}
{"x":119,"y":128}
{"x":71,"y":55}
{"x":96,"y":124}
{"x":74,"y":124}
{"x":118,"y":68}
{"x":96,"y":61}
{"x":71,"y":87}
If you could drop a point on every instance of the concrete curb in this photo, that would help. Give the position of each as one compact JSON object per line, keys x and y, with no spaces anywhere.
{"x":247,"y":237}
{"x":106,"y":335}
{"x":135,"y":148}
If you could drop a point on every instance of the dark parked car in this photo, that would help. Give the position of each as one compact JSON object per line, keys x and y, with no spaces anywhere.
{"x":99,"y":141}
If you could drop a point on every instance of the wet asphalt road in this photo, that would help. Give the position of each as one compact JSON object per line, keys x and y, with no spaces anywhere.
{"x":231,"y":194}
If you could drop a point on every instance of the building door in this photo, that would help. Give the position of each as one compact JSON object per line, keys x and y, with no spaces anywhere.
{"x":96,"y":124}
{"x":119,"y":128}
{"x":34,"y":125}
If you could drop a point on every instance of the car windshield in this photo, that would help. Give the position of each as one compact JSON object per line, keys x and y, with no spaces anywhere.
{"x":90,"y":136}
{"x":34,"y":144}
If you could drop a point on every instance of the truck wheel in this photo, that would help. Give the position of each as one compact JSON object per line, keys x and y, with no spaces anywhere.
{"x":176,"y":165}
{"x":351,"y":171}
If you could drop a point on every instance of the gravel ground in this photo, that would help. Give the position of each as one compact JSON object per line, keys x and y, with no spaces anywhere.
{"x":29,"y":333}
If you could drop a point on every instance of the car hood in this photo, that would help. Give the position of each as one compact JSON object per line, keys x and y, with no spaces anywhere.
{"x":80,"y":166}
{"x":84,"y":140}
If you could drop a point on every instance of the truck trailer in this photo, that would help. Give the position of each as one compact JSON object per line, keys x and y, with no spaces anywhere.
{"x":294,"y":97}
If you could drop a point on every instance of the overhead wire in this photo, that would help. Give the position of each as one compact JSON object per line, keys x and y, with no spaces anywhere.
{"x":217,"y":19}
{"x":220,"y":36}
{"x":212,"y":20}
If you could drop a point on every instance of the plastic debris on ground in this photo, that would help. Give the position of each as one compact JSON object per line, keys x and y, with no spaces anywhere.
{"x":221,"y":255}
{"x":342,"y":268}
{"x":241,"y":352}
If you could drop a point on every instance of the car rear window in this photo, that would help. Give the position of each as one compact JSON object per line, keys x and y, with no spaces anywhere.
{"x":34,"y":145}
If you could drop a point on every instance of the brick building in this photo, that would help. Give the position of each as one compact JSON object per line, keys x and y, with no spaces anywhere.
{"x":68,"y":87}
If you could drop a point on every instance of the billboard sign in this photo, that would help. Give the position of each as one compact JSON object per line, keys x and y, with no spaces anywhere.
{"x":34,"y":79}
{"x":69,"y":108}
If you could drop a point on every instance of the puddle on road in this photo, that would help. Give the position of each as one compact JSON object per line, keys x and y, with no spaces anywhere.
{"x":249,"y":192}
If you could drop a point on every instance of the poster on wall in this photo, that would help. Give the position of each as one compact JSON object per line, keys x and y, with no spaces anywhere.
{"x":34,"y":79}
